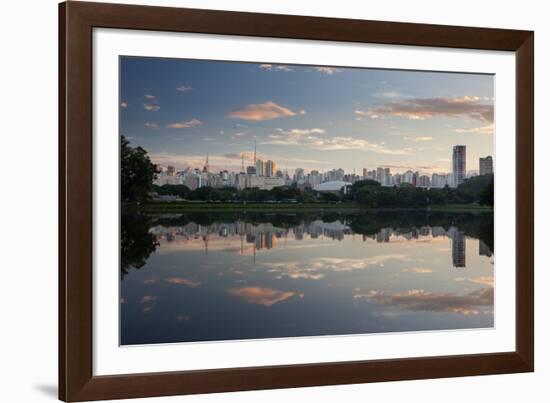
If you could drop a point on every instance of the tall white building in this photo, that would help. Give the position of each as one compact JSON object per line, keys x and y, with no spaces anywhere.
{"x":260,"y":168}
{"x":269,"y":168}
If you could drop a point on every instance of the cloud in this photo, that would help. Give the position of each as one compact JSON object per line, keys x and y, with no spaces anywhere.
{"x":302,"y":132}
{"x":418,"y":138}
{"x":359,"y":114}
{"x":151,"y":125}
{"x":124,"y":104}
{"x":315,"y":138}
{"x":420,"y":300}
{"x":230,"y":161}
{"x":151,"y":107}
{"x":388,"y":94}
{"x":260,"y":295}
{"x":149,"y":96}
{"x":274,"y":67}
{"x":181,"y":161}
{"x":489,"y":129}
{"x":184,"y":88}
{"x":184,"y":124}
{"x":427,"y":108}
{"x":258,"y":112}
{"x":183,"y":281}
{"x":328,"y":70}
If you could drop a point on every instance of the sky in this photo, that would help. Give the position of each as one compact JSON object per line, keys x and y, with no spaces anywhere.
{"x":310,"y":117}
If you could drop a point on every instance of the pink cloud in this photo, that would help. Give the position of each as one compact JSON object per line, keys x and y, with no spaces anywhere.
{"x":265,"y":111}
{"x":427,"y":108}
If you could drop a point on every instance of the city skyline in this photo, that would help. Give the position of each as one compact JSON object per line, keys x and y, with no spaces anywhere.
{"x":265,"y":175}
{"x":310,"y":117}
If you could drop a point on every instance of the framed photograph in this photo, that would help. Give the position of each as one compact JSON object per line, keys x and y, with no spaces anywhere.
{"x":252,"y":201}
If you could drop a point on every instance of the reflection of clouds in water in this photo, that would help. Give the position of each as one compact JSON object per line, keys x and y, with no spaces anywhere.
{"x":485,"y":280}
{"x":420,"y":300}
{"x":148,"y":298}
{"x":261,"y":295}
{"x":230,"y":244}
{"x":182,"y":281}
{"x":316,"y":268}
{"x":417,"y":270}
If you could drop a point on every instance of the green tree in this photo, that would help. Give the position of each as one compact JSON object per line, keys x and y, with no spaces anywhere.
{"x":136,"y":173}
{"x":486,"y":197}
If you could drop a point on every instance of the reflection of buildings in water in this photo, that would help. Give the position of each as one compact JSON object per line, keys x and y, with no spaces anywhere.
{"x":264,"y":235}
{"x":298,"y":232}
{"x":270,"y":241}
{"x":484,"y":250}
{"x":170,"y":237}
{"x":438,"y":231}
{"x":424,"y":231}
{"x":205,"y":240}
{"x":459,"y":247}
{"x":384,"y":235}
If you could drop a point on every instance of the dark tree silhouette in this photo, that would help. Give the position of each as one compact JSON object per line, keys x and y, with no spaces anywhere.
{"x":136,"y":173}
{"x":136,"y":242}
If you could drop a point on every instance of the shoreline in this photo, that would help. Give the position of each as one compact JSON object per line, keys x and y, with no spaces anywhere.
{"x":184,"y":207}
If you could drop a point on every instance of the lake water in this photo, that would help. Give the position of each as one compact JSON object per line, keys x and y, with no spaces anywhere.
{"x":215,"y":276}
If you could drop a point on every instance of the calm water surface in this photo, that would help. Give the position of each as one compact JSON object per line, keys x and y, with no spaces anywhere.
{"x":203,"y":277}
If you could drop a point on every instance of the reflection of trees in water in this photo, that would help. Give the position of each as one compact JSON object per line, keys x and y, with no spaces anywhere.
{"x":478,"y":225}
{"x":368,"y":223}
{"x":136,"y":242}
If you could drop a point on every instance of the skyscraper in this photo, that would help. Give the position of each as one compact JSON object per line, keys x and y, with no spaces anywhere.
{"x":269,"y":168}
{"x":387,"y":177}
{"x":459,"y":164}
{"x":380,"y":174}
{"x":486,"y":165}
{"x":260,"y":168}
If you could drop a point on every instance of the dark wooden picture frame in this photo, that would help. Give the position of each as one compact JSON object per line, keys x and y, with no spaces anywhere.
{"x":76,"y":23}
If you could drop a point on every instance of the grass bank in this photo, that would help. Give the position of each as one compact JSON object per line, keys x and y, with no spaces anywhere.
{"x":460,"y":207}
{"x":181,"y":206}
{"x":173,"y":207}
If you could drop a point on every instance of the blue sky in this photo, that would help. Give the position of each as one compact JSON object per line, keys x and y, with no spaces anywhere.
{"x":312,"y":117}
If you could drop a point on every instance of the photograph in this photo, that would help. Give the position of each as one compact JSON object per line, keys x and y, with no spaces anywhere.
{"x":262,"y":200}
